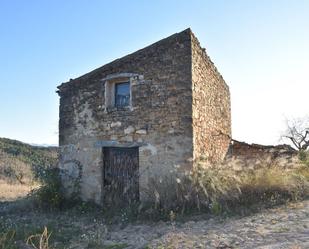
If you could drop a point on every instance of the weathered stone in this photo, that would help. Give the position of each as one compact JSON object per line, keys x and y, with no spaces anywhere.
{"x":127,"y":138}
{"x":129,"y":130}
{"x":141,"y":132}
{"x":171,"y":131}
{"x":115,"y":124}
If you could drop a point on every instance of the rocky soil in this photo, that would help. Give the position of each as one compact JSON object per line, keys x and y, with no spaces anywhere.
{"x":281,"y":227}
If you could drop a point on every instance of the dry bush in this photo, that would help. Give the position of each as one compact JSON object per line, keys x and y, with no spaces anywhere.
{"x":218,"y":189}
{"x":200,"y":189}
{"x":271,"y":186}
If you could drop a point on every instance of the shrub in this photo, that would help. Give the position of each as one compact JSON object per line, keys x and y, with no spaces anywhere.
{"x":304,"y":157}
{"x":50,"y":195}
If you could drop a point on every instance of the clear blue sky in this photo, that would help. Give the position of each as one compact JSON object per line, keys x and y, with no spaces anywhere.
{"x":260,"y":47}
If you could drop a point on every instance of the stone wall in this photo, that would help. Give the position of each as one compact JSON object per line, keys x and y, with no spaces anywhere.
{"x":250,"y":158}
{"x":243,"y":156}
{"x":242,"y":149}
{"x":158,"y":120}
{"x":210,"y":107}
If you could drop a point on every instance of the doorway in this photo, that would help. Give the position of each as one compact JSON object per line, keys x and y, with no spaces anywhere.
{"x":120,"y":175}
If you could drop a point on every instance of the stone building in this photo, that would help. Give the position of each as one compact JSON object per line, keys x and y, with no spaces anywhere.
{"x":142,"y":116}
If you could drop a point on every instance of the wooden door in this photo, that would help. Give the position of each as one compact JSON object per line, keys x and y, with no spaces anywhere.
{"x":120,"y":176}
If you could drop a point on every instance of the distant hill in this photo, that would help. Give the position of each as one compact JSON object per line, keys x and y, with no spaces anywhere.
{"x":22,"y":162}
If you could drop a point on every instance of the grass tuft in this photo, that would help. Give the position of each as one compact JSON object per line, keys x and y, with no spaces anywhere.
{"x":39,"y":241}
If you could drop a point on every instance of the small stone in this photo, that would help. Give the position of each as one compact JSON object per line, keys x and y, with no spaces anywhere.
{"x":171,"y":131}
{"x":127,"y":139}
{"x":141,"y":132}
{"x":129,"y":130}
{"x":116,"y":124}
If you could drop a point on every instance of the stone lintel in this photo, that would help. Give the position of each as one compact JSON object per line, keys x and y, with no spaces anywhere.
{"x":119,"y":75}
{"x":114,"y":143}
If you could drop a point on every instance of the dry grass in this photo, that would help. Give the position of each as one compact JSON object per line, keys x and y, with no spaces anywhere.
{"x":199,"y":189}
{"x":11,"y":192}
{"x":6,"y":239}
{"x":272,"y":186}
{"x":219,"y":189}
{"x":14,"y":170}
{"x":276,"y":178}
{"x":39,"y":241}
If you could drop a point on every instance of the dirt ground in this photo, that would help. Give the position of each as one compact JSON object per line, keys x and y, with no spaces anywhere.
{"x":281,"y":227}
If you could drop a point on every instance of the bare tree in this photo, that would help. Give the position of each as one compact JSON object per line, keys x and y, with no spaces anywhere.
{"x":297,"y":132}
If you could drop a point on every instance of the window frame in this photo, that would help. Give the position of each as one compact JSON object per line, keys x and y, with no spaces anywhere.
{"x":109,"y":90}
{"x":116,"y":85}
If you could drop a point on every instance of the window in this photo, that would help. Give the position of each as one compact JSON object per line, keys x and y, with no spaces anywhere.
{"x":118,"y":91}
{"x":122,"y":94}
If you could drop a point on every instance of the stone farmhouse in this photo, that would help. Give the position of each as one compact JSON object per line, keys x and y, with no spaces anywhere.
{"x":141,"y":117}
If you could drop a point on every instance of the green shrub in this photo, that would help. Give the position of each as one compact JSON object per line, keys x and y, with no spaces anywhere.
{"x":304,"y":157}
{"x":50,"y":195}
